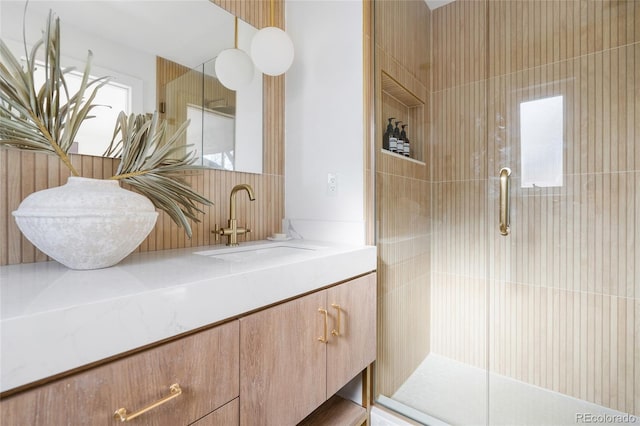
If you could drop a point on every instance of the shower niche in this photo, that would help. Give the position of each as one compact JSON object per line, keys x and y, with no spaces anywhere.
{"x":407,"y":109}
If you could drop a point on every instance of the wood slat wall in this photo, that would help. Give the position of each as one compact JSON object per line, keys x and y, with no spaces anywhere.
{"x":562,"y":299}
{"x":403,"y":198}
{"x":166,"y":72}
{"x":369,"y":121}
{"x":22,"y":173}
{"x":179,"y":87}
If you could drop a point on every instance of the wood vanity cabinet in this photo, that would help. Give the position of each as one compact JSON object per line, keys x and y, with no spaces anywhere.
{"x":227,"y":415}
{"x":268,"y":368}
{"x":286,"y":370}
{"x":204,"y":365}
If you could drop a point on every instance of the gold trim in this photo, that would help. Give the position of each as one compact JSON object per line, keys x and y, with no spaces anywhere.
{"x":323,"y":338}
{"x":505,"y":172}
{"x":121,"y":413}
{"x":336,"y":331}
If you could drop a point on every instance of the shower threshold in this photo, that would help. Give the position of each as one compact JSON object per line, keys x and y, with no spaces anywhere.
{"x":456,"y":393}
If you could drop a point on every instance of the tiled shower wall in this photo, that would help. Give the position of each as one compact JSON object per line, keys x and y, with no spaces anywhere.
{"x":403,"y":199}
{"x":22,"y":173}
{"x":561,"y":294}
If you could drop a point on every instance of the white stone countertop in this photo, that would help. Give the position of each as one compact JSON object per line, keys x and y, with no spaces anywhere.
{"x":53,"y":319}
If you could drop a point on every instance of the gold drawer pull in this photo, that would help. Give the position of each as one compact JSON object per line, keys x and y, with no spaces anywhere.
{"x":336,"y":331}
{"x":323,"y":338}
{"x":121,"y":413}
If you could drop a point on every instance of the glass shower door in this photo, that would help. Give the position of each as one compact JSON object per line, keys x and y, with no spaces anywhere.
{"x":534,"y":128}
{"x":431,"y":215}
{"x":564,"y":268}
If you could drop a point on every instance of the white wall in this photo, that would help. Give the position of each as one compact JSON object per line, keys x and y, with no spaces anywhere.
{"x":248,"y":122}
{"x":324,"y":120}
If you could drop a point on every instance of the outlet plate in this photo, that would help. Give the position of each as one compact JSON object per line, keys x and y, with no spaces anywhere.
{"x":332,"y":184}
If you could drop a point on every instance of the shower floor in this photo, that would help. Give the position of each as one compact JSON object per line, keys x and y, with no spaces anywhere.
{"x":456,"y":394}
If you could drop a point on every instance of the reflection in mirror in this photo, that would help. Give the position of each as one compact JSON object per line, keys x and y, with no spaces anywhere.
{"x":217,"y":129}
{"x":226,"y":125}
{"x":127,"y":39}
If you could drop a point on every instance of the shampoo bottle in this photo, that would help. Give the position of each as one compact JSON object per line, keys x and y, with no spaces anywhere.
{"x":406,"y":146}
{"x":387,"y":134}
{"x":400,"y":143}
{"x":393,"y":140}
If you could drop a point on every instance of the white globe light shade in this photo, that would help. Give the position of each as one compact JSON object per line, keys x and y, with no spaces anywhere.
{"x":234,"y":68}
{"x":272,"y":51}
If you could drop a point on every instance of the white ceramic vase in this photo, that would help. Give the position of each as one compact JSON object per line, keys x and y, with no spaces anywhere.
{"x":86,"y":223}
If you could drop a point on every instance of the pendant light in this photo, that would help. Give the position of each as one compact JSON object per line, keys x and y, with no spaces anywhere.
{"x":272,"y":49}
{"x":234,"y":68}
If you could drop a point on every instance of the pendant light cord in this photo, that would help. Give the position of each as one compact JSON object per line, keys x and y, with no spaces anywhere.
{"x":236,"y":32}
{"x":272,"y":12}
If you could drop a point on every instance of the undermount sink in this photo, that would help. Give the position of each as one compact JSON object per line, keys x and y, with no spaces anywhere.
{"x":257,"y":252}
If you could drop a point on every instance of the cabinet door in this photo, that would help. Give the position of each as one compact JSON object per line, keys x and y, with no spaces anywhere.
{"x":282,"y":363}
{"x":227,"y":415}
{"x":205,"y":365}
{"x":349,"y":352}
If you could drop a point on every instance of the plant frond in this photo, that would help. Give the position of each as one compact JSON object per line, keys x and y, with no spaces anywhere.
{"x":46,"y":118}
{"x":155,"y":166}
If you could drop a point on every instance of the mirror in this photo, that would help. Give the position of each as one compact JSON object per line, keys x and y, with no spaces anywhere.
{"x":129,"y":39}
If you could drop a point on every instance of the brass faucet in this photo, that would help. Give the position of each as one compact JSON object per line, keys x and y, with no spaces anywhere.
{"x":233,"y":231}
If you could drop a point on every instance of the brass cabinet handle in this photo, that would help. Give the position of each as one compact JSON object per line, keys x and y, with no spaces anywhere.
{"x":122,"y":415}
{"x":336,"y":331}
{"x":323,"y":338}
{"x":505,"y":172}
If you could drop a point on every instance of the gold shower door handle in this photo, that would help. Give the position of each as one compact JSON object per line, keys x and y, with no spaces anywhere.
{"x":505,"y":172}
{"x":122,"y":415}
{"x":336,"y":331}
{"x":323,"y":338}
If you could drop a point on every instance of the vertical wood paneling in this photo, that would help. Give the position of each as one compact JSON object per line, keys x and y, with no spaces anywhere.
{"x":27,"y":187}
{"x":369,"y":122}
{"x":403,"y":194}
{"x":21,"y":173}
{"x":458,"y":50}
{"x":564,"y":286}
{"x":166,"y":72}
{"x":537,"y":32}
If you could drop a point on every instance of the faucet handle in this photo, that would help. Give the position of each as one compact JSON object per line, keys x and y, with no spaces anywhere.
{"x":246,"y":231}
{"x":216,"y":232}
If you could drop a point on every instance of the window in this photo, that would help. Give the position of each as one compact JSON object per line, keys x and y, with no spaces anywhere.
{"x":95,"y":133}
{"x":541,"y":139}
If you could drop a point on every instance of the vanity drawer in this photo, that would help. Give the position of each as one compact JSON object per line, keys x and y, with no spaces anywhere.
{"x":205,"y":365}
{"x":227,"y":415}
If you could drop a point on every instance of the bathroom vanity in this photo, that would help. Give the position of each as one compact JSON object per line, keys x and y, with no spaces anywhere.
{"x":263,"y":333}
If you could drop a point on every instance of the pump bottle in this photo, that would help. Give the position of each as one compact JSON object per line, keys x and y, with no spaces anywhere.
{"x":400,"y":143}
{"x":387,"y":134}
{"x":406,"y":151}
{"x":393,"y":140}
